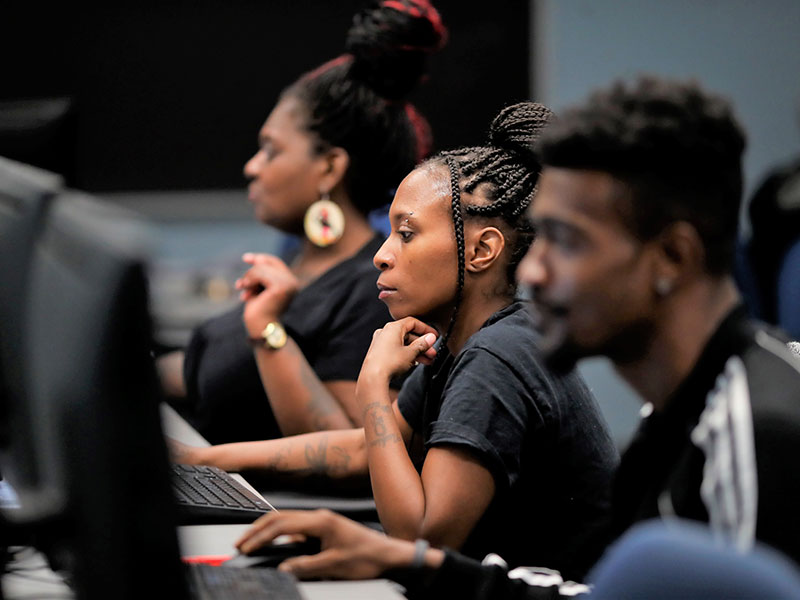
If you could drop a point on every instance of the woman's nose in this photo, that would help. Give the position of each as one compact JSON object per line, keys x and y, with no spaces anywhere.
{"x":251,"y":166}
{"x":383,"y":258}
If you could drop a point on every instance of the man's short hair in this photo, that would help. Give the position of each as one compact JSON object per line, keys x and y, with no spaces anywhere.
{"x":674,"y":146}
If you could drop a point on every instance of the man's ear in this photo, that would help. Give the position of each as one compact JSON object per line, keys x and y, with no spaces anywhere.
{"x":335,"y":162}
{"x":482,"y":248}
{"x":680,"y":255}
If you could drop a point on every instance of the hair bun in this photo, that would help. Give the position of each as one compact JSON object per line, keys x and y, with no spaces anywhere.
{"x":390,"y":41}
{"x":518,"y":126}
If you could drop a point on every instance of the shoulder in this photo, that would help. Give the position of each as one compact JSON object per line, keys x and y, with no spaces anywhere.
{"x":761,"y":375}
{"x":752,"y":413}
{"x":754,"y":400}
{"x":508,"y":331}
{"x":772,"y":372}
{"x":503,"y":356}
{"x":509,"y":338}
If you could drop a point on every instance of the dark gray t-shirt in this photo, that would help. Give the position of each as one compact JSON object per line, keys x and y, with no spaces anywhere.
{"x":541,"y":435}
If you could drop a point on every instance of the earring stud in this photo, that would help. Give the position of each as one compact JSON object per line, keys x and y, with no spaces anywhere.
{"x":663,"y":286}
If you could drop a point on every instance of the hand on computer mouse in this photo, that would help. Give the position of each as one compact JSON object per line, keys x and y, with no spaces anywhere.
{"x":272,"y":554}
{"x":349,"y":550}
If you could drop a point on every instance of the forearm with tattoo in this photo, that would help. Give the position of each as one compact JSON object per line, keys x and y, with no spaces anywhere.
{"x":334,"y":454}
{"x":376,"y":424}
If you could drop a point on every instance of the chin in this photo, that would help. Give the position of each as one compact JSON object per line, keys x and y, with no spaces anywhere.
{"x":396,"y":312}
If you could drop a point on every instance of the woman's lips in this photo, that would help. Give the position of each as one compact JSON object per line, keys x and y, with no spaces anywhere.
{"x":385,"y":291}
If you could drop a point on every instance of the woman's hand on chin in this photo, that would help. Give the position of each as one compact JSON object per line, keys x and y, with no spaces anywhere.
{"x":399,"y":346}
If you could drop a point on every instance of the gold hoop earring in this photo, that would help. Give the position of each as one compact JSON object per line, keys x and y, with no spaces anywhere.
{"x":324,"y":222}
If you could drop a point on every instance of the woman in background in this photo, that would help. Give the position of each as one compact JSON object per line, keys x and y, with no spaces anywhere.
{"x":333,"y":149}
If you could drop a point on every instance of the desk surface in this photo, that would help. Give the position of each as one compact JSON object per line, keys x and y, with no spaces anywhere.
{"x":34,"y":579}
{"x":216,"y":540}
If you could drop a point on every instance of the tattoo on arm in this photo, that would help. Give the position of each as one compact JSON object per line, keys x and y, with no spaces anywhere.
{"x":375,"y":414}
{"x":315,"y":457}
{"x":280,"y":459}
{"x":322,"y":462}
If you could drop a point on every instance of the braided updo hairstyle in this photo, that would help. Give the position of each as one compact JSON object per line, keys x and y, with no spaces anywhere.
{"x":507,"y":171}
{"x":356,"y":101}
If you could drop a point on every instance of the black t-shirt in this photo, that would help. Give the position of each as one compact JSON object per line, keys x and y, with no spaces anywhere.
{"x":541,"y":435}
{"x":332,"y":321}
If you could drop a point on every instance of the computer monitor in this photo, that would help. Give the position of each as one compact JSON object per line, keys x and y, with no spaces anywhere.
{"x":86,"y":454}
{"x":25,"y":193}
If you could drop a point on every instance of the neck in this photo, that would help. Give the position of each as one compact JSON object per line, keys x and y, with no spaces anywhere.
{"x":684,"y":324}
{"x":312,"y":261}
{"x":472,"y":315}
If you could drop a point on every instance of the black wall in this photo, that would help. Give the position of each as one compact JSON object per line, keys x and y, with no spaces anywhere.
{"x":170,"y":95}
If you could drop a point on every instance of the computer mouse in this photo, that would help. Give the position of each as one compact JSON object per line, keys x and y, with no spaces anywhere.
{"x":271,"y":555}
{"x":244,"y":561}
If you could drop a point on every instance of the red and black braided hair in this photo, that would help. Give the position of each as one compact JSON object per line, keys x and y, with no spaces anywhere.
{"x":357,"y":101}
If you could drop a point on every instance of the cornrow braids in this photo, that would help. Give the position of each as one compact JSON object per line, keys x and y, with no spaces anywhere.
{"x":458,"y":227}
{"x":507,"y":170}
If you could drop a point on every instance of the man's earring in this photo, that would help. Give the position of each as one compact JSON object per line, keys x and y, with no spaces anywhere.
{"x":664,"y":286}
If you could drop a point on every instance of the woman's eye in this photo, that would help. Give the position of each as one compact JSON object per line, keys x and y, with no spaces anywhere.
{"x":405,"y":234}
{"x":269,"y":151}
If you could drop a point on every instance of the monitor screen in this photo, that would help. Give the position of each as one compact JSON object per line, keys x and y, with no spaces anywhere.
{"x":86,"y":455}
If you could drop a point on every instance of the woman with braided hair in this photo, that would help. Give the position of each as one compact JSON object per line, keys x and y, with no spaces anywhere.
{"x":333,"y":149}
{"x":485,"y":449}
{"x":492,"y":436}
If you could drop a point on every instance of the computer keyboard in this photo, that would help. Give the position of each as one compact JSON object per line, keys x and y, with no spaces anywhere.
{"x":208,"y":495}
{"x":230,"y":583}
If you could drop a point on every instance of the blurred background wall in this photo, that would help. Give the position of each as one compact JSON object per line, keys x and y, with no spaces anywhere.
{"x":170,"y":95}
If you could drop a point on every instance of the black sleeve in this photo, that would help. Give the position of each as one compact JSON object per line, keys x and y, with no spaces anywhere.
{"x":467,"y":579}
{"x":411,"y":398}
{"x":487,"y":408}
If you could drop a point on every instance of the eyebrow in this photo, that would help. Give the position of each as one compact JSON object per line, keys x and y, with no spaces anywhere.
{"x":404,"y":216}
